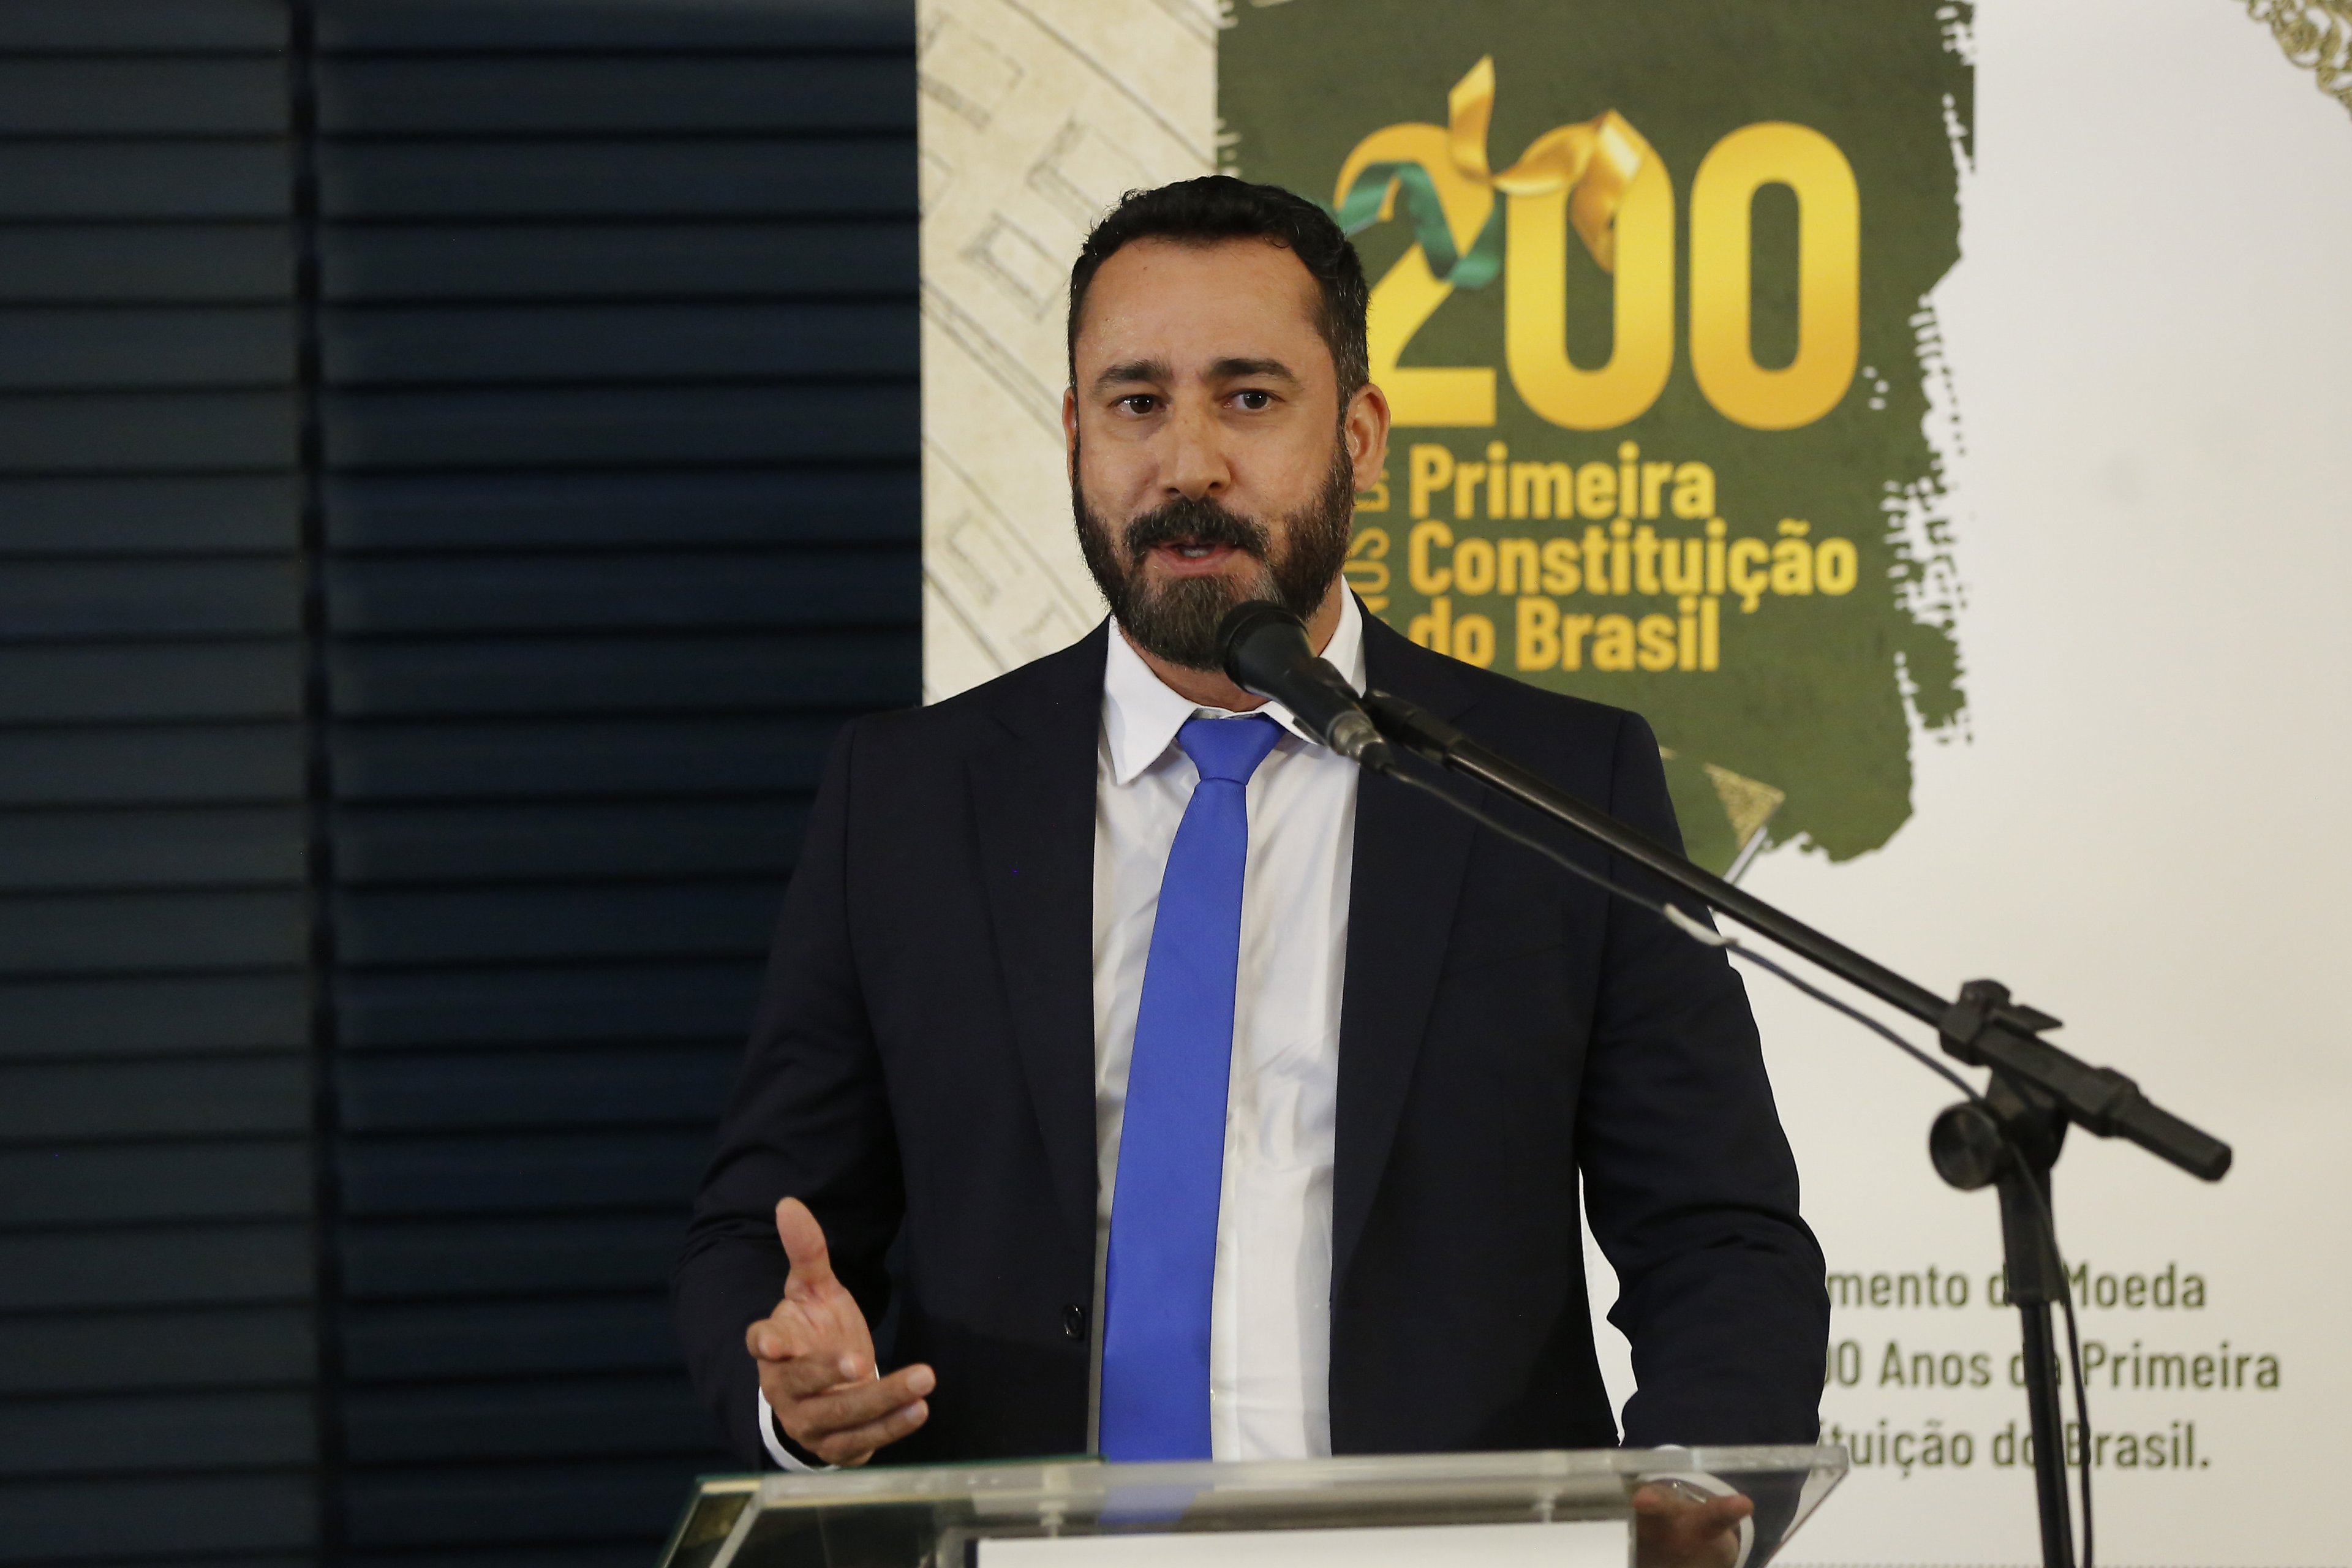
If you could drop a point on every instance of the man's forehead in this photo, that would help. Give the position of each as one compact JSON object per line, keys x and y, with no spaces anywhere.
{"x":1197,"y":308}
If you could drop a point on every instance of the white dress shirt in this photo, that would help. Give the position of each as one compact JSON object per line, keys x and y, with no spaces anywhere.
{"x":1270,"y":1308}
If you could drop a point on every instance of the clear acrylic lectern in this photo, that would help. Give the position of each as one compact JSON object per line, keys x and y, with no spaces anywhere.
{"x":1082,"y":1511}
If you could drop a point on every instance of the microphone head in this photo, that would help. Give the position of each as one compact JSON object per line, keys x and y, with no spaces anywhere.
{"x":1256,"y":637}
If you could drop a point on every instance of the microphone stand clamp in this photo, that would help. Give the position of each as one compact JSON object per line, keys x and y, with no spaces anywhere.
{"x":2009,"y":1140}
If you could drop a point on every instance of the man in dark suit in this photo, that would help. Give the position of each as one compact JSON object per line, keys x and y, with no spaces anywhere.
{"x":1435,"y":1037}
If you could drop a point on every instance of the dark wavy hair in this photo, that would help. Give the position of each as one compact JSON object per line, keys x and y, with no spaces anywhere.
{"x":1219,"y":208}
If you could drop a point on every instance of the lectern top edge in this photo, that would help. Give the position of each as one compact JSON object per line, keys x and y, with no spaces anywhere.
{"x":1089,"y":1477}
{"x":915,"y":1514}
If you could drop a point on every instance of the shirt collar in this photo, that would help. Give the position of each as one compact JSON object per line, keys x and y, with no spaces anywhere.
{"x":1141,"y":714}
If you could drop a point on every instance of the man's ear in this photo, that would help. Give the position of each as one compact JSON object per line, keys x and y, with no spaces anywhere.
{"x":1367,"y":428}
{"x":1070,"y":432}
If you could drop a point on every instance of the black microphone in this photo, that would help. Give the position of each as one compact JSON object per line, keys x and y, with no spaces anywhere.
{"x":1266,"y":653}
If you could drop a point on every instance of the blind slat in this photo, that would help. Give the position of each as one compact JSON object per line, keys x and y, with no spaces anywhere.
{"x":515,"y":1339}
{"x":156,"y":1433}
{"x":152,"y":1016}
{"x":567,"y":842}
{"x":119,"y":600}
{"x":506,"y":1256}
{"x":153,"y":96}
{"x":604,"y":97}
{"x":121,"y":263}
{"x":135,"y":432}
{"x":393,"y":346}
{"x":62,"y":347}
{"x":551,"y":761}
{"x":161,"y":680}
{"x":534,"y":925}
{"x":624,"y":593}
{"x":513,"y":1006}
{"x":65,"y":1101}
{"x":180,"y":1265}
{"x":505,"y":1172}
{"x":153,"y":1517}
{"x":547,"y":261}
{"x":144,"y":1186}
{"x":56,"y":851}
{"x":685,"y":177}
{"x":613,"y":428}
{"x":448,"y":677}
{"x":836,"y":503}
{"x":522,"y":27}
{"x":56,"y":178}
{"x":218,"y":1347}
{"x":669,"y":1085}
{"x":129,"y":515}
{"x":531,"y":1421}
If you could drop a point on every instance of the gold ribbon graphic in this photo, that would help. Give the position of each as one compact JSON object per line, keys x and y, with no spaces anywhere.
{"x":1596,"y":159}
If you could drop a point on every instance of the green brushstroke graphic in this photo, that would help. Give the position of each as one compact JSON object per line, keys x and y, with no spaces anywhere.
{"x":1806,"y":722}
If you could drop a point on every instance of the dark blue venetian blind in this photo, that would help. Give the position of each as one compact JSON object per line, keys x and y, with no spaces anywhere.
{"x":457,"y":471}
{"x":156,"y":1260}
{"x":619,"y":414}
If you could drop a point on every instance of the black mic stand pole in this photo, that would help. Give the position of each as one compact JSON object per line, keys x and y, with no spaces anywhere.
{"x":2008,"y":1140}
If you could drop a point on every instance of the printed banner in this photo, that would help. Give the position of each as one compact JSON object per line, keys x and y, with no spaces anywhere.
{"x":1961,"y":511}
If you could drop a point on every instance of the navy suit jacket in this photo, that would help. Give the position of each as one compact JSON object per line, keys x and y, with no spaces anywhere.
{"x":922,"y":1074}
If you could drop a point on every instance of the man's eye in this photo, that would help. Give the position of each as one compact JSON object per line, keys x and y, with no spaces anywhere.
{"x":1255,"y":402}
{"x":1139,"y":402}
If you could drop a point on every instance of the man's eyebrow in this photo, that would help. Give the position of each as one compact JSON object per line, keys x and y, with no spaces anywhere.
{"x":1250,"y":369}
{"x":1135,"y":370}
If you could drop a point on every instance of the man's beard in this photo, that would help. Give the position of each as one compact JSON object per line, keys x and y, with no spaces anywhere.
{"x":1177,"y":619}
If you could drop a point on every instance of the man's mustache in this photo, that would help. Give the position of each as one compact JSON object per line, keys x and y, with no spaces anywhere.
{"x":1186,"y":521}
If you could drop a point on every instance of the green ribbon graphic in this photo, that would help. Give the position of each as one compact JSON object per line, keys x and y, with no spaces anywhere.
{"x":1475,"y":268}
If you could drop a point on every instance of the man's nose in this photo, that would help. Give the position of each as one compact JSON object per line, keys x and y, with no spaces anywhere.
{"x":1196,"y":466}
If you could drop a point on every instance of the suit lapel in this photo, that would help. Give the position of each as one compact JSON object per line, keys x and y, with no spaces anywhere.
{"x":1411,"y":856}
{"x":1033,"y":794}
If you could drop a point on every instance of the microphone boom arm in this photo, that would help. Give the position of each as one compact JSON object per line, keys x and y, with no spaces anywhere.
{"x":2003,"y":1036}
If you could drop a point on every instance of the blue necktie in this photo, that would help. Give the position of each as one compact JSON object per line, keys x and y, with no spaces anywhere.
{"x":1171,"y":1147}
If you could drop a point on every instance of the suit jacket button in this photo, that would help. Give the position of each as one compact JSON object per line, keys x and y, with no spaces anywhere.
{"x":1074,"y":1321}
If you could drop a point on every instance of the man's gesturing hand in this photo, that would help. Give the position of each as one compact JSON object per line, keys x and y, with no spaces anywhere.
{"x":816,"y":1357}
{"x":1674,"y":1527}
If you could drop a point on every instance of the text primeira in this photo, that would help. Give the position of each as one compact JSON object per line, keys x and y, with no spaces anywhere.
{"x":1687,"y":555}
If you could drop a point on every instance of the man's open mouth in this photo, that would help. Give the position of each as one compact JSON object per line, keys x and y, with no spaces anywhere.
{"x":1185,"y":557}
{"x":1174,"y":544}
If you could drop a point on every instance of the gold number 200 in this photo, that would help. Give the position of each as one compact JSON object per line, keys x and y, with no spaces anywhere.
{"x":1723,"y":360}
